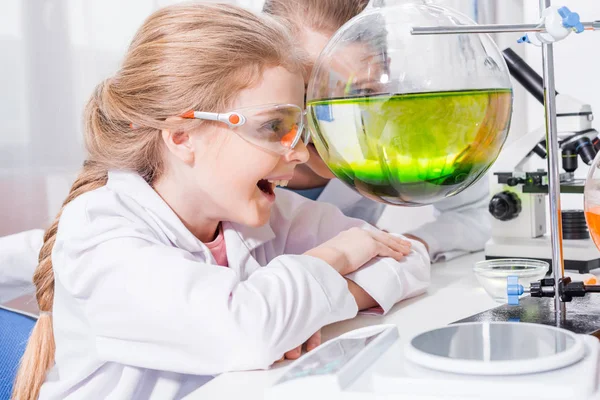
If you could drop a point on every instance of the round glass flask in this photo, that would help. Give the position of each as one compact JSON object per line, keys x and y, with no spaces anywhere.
{"x":406,"y":119}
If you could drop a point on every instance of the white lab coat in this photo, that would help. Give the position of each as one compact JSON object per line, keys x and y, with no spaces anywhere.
{"x":462,"y":225}
{"x":18,"y":260}
{"x":141,"y":310}
{"x":462,"y":222}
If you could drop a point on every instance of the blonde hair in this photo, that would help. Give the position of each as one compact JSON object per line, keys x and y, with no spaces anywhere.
{"x":324,"y":16}
{"x":195,"y":56}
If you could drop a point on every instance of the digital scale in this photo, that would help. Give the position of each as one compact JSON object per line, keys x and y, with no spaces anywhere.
{"x":480,"y":360}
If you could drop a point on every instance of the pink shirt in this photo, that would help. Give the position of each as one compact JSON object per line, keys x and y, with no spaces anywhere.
{"x":218,"y":249}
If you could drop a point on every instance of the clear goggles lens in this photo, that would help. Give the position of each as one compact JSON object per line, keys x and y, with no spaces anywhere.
{"x":277,"y":128}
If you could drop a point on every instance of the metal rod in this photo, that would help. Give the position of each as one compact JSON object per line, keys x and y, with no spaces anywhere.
{"x":553,"y":170}
{"x":448,"y":30}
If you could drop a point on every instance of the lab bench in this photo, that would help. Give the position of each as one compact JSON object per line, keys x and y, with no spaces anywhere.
{"x":454,"y":294}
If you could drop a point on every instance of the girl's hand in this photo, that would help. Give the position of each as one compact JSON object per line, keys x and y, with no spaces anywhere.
{"x":311,"y":343}
{"x":346,"y":253}
{"x":352,"y":249}
{"x":408,"y":235}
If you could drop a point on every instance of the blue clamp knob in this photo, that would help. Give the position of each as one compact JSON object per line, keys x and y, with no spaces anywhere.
{"x":513,"y":290}
{"x":524,"y":39}
{"x":571,"y":19}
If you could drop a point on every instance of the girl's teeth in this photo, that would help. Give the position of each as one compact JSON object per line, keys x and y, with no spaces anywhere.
{"x":281,"y":183}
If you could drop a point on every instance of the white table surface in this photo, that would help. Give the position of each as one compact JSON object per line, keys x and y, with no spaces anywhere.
{"x":454,"y":294}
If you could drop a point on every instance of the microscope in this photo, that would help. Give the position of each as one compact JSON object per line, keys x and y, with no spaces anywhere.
{"x":519,"y":188}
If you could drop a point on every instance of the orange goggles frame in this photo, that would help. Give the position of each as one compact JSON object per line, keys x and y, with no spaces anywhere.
{"x":275,"y":127}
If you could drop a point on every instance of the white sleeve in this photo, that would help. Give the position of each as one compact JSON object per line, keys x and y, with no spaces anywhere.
{"x":386,"y":280}
{"x":389,"y":281}
{"x":151,"y":305}
{"x":462,"y":224}
{"x":18,"y":261}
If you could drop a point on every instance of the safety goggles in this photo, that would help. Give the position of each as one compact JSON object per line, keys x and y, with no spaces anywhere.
{"x":275,"y":127}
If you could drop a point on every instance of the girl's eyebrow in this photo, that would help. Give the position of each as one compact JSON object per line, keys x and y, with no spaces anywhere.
{"x":274,"y":112}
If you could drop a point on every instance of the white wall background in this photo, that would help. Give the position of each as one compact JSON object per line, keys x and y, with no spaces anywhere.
{"x":53,"y":53}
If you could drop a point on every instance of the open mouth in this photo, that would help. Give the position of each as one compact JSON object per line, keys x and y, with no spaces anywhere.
{"x":267,"y":186}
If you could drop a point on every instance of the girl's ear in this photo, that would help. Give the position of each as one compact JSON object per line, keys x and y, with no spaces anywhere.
{"x":179,"y":143}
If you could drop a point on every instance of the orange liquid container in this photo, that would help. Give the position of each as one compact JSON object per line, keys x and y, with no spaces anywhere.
{"x":592,"y":217}
{"x":591,"y":199}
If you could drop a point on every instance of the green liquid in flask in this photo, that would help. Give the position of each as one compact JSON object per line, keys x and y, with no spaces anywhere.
{"x":411,"y":149}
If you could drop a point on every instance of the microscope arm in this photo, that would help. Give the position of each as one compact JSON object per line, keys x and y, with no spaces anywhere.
{"x":574,"y":120}
{"x":524,"y":74}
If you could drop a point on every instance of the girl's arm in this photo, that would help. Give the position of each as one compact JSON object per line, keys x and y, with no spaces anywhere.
{"x":147,"y":304}
{"x":363,"y":299}
{"x":387,"y":281}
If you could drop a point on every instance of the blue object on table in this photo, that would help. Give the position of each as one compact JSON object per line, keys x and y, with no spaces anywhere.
{"x":15,"y":329}
{"x":513,"y":290}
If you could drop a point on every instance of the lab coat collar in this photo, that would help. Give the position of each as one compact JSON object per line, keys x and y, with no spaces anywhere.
{"x":135,"y":187}
{"x":252,"y":237}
